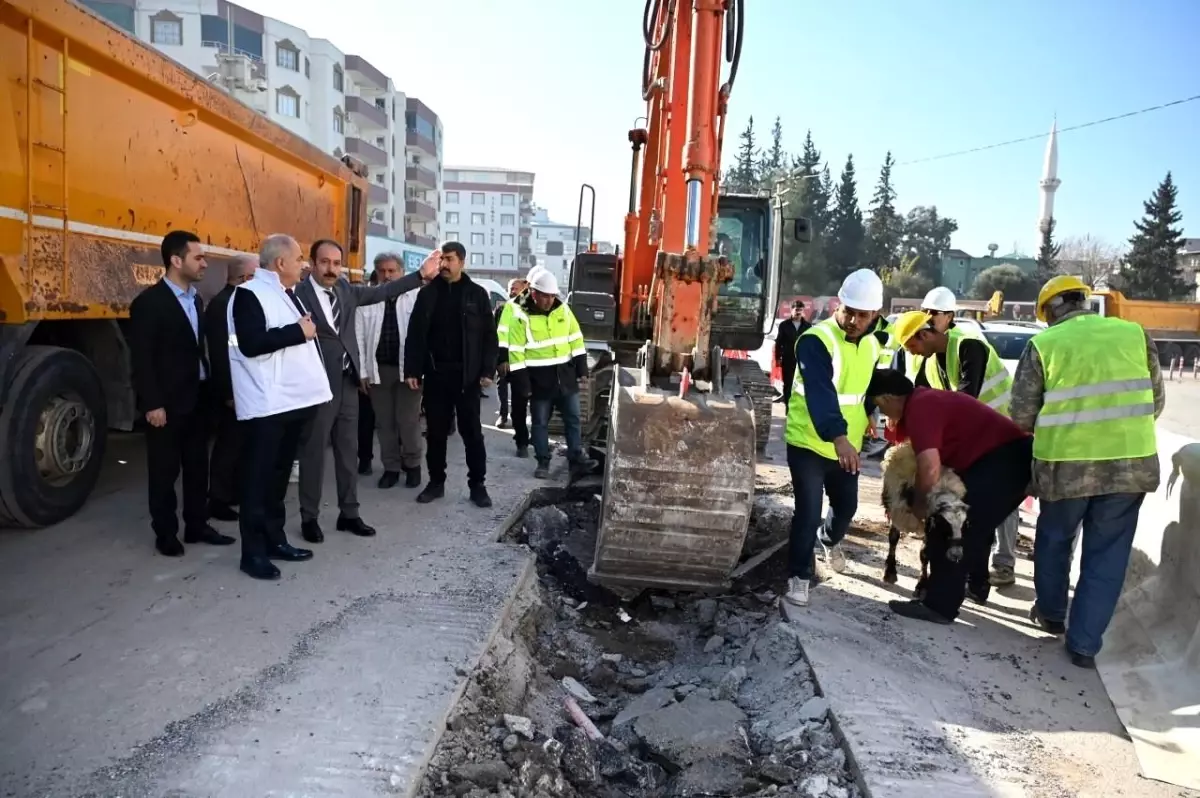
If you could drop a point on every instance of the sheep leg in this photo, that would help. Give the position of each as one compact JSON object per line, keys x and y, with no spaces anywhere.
{"x":889,"y":567}
{"x":923,"y":582}
{"x":954,"y":553}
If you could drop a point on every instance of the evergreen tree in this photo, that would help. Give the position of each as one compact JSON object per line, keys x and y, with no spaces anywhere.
{"x":885,"y":227}
{"x":846,"y":231}
{"x":743,"y":177}
{"x":806,"y":194}
{"x":1151,"y":269}
{"x":774,"y":160}
{"x":1047,"y":257}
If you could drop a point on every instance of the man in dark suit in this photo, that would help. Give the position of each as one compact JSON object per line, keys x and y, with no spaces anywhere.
{"x":333,"y":302}
{"x":452,"y":349}
{"x":169,"y":371}
{"x":785,"y":346}
{"x":225,"y":461}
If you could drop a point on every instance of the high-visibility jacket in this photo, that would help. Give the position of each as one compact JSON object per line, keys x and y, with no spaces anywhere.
{"x":996,"y":390}
{"x":537,"y":340}
{"x":853,"y":365}
{"x":1099,"y":397}
{"x":888,"y":346}
{"x":502,"y":325}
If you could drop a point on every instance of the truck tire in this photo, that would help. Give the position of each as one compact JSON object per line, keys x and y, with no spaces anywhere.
{"x":53,"y":431}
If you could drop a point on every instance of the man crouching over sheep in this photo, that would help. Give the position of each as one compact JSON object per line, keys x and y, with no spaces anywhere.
{"x":991,"y":455}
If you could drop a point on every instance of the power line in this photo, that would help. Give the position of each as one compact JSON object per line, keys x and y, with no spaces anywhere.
{"x":1044,"y":135}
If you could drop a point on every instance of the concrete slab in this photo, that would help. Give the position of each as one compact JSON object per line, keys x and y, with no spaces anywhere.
{"x":126,"y":673}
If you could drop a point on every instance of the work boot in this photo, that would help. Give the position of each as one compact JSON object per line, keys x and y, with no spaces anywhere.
{"x":1085,"y":661}
{"x":389,"y":479}
{"x":797,"y":592}
{"x":480,"y":497}
{"x":543,"y":470}
{"x":1046,"y":625}
{"x":432,"y":492}
{"x":1002,"y":576}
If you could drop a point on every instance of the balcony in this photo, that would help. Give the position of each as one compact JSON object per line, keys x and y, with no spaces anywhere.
{"x":366,"y":152}
{"x":415,"y":139}
{"x":524,"y":250}
{"x":366,"y":114}
{"x":378,"y":195}
{"x":421,"y":176}
{"x":364,"y":74}
{"x":418,"y":240}
{"x":420,"y":210}
{"x":377,"y":229}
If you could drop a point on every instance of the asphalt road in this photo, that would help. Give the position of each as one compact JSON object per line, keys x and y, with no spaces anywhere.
{"x":1182,"y":413}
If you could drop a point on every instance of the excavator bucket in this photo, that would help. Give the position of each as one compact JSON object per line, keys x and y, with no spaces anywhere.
{"x":678,"y":487}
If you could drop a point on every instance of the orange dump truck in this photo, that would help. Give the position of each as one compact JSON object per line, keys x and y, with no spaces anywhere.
{"x":105,"y":145}
{"x":1174,"y":326}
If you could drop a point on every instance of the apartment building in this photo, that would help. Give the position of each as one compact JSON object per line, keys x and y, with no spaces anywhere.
{"x":339,"y":102}
{"x":555,"y":245}
{"x":490,"y":210}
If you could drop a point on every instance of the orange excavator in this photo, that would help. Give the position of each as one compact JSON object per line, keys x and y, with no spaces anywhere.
{"x":676,"y":422}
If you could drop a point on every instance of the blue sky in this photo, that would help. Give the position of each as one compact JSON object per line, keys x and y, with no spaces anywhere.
{"x":552,"y":86}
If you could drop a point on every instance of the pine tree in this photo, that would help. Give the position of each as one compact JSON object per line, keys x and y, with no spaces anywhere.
{"x":1151,"y":269}
{"x":1047,"y":258}
{"x":846,"y":231}
{"x":774,"y":159}
{"x":743,"y":178}
{"x":885,"y":227}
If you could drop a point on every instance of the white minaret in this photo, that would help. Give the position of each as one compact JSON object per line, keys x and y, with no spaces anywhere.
{"x":1050,"y":181}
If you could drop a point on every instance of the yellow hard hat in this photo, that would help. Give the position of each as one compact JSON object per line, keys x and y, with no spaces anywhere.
{"x":1055,"y":286}
{"x":907,"y":324}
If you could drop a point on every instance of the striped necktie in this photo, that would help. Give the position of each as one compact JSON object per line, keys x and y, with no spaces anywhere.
{"x":335,"y":311}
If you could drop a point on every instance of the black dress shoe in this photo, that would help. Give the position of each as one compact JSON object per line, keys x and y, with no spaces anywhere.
{"x":259,"y":568}
{"x":219,"y":511}
{"x":169,"y":547}
{"x":390,"y":479}
{"x":480,"y":497}
{"x":523,"y":452}
{"x":356,"y":526}
{"x":364,"y":469}
{"x":208,"y":535}
{"x":311,"y":532}
{"x":412,"y":477}
{"x":288,"y":553}
{"x":432,"y":491}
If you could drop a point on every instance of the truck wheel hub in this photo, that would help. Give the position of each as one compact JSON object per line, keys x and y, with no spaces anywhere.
{"x":66,"y":432}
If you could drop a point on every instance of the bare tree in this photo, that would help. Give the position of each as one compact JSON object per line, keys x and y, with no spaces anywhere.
{"x":1092,"y":259}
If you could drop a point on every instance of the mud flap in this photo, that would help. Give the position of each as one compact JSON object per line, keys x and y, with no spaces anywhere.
{"x":678,"y":487}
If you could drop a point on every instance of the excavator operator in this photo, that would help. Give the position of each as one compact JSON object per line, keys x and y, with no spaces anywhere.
{"x":827,"y":418}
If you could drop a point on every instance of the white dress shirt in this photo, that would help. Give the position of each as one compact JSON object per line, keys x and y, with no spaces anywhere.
{"x":323,"y":301}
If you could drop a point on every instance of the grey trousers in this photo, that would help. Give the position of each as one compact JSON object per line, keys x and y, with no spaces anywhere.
{"x":397,"y":420}
{"x":336,"y":422}
{"x":1005,"y":555}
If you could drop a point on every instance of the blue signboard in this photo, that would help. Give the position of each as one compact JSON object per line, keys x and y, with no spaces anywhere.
{"x":413,"y":260}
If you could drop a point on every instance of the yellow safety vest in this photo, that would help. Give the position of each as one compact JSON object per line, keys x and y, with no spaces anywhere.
{"x":853,"y":365}
{"x":996,"y":390}
{"x":543,"y":339}
{"x":888,"y":352}
{"x":1099,"y":399}
{"x":506,"y":321}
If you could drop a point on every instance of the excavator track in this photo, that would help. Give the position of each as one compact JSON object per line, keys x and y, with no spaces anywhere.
{"x":756,"y":385}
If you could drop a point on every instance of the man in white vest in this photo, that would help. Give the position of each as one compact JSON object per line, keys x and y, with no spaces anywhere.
{"x":278,"y":382}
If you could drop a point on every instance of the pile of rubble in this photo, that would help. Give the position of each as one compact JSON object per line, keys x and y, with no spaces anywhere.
{"x":673,"y":696}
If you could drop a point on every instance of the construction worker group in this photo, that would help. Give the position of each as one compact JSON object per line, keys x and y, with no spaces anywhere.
{"x":1074,"y":426}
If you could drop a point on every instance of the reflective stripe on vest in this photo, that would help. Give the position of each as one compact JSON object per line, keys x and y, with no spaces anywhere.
{"x":853,"y":366}
{"x":552,"y":339}
{"x":996,"y":390}
{"x":518,"y":322}
{"x":1098,"y":402}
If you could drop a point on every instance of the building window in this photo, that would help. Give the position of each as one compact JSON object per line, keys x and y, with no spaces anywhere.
{"x":478,"y":219}
{"x":166,"y":28}
{"x":508,"y":200}
{"x":339,"y":78}
{"x":287,"y":56}
{"x":476,"y":258}
{"x":287,"y":103}
{"x":452,"y":217}
{"x":477,"y":239}
{"x":506,"y":240}
{"x":508,"y":220}
{"x":451,"y":197}
{"x":451,"y":236}
{"x":307,"y":69}
{"x":477,"y":198}
{"x":506,"y":259}
{"x":339,"y":121}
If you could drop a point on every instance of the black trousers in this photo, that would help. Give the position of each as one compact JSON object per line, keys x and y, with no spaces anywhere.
{"x":519,"y":405}
{"x":366,"y":429}
{"x":225,"y":464}
{"x":270,"y":444}
{"x":996,"y":484}
{"x":445,"y":398}
{"x":789,"y":374}
{"x":180,"y":445}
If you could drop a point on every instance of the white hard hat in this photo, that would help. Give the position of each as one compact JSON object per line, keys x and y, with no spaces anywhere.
{"x":862,"y":290}
{"x":940,"y":298}
{"x":534,"y":271}
{"x":543,"y":282}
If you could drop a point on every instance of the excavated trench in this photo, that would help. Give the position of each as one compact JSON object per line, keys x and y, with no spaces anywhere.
{"x":663,"y":696}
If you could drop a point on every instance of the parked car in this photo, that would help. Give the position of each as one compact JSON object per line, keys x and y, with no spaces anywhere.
{"x":1009,"y":340}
